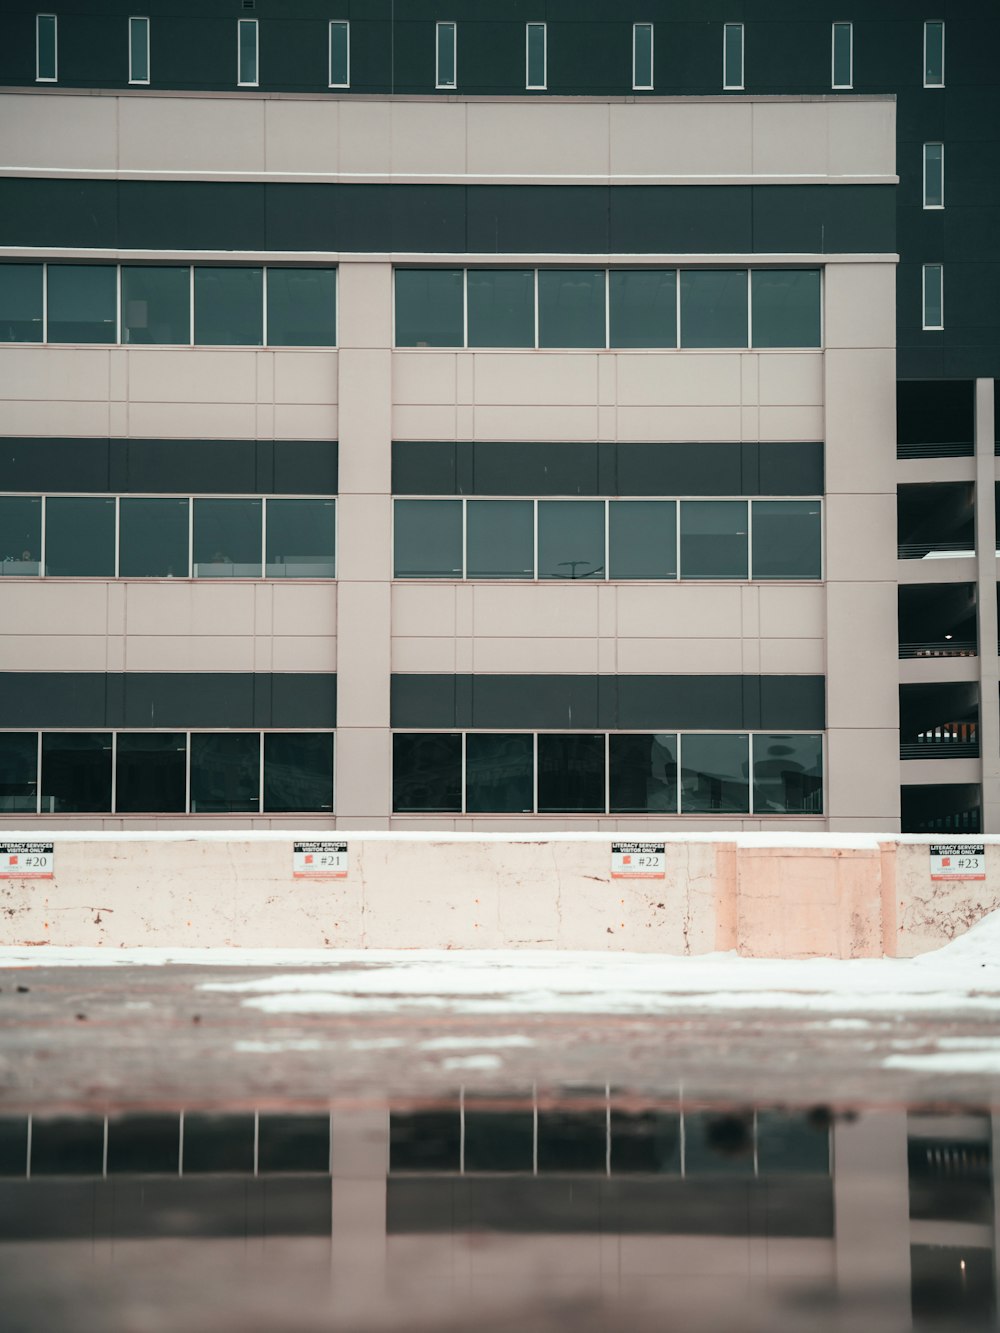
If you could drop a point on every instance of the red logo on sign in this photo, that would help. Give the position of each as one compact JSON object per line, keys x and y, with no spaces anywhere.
{"x":12,"y":861}
{"x":946,"y":861}
{"x":626,"y":860}
{"x":309,"y":859}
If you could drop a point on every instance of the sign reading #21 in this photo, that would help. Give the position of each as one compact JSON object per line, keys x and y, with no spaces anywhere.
{"x":319,"y":860}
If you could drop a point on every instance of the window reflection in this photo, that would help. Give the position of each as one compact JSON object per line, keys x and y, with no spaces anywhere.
{"x":300,"y":539}
{"x":80,"y":537}
{"x":225,"y":772}
{"x":19,"y":771}
{"x":76,"y":772}
{"x":570,"y":539}
{"x":227,"y":539}
{"x":20,"y":535}
{"x":715,"y":774}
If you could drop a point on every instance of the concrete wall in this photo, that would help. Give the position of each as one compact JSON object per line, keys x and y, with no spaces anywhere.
{"x":799,"y":897}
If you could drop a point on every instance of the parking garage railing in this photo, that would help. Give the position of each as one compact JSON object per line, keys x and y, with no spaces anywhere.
{"x":940,"y":648}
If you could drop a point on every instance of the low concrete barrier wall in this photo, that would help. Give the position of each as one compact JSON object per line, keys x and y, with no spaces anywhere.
{"x":785,"y":895}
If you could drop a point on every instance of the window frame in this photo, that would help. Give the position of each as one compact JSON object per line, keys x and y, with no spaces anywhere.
{"x":54,"y":77}
{"x":241,"y":82}
{"x":927,"y":25}
{"x":528,"y":85}
{"x":138,"y":18}
{"x":346,"y":25}
{"x":438,"y":27}
{"x":644,"y":87}
{"x":727,"y":86}
{"x":929,"y":207}
{"x":924,"y":273}
{"x":849,"y":25}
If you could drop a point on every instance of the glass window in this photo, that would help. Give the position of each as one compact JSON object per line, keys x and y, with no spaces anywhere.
{"x":571,"y":539}
{"x":20,"y":535}
{"x":535,"y":55}
{"x":225,"y":772}
{"x":80,"y":537}
{"x":732,"y":56}
{"x":229,"y":307}
{"x":76,"y":772}
{"x":298,"y":771}
{"x":933,"y":175}
{"x":247,"y":43}
{"x":151,"y":773}
{"x":83,"y":300}
{"x":427,"y":772}
{"x":156,"y":305}
{"x":227,"y":539}
{"x":643,"y":307}
{"x":138,"y":50}
{"x":302,"y":307}
{"x":571,"y":308}
{"x":713,"y":539}
{"x":786,"y":307}
{"x":21,"y":303}
{"x":715,"y":774}
{"x":642,"y":539}
{"x":429,"y":307}
{"x":446,"y":65}
{"x":153,"y":539}
{"x":427,"y":539}
{"x":499,"y":774}
{"x":501,"y":307}
{"x":787,"y":541}
{"x":643,"y":774}
{"x":933,"y":54}
{"x":570,"y":774}
{"x":45,"y":48}
{"x":843,"y":55}
{"x":500,"y":538}
{"x":713,"y":307}
{"x":788,"y":775}
{"x":301,"y":539}
{"x":642,"y":55}
{"x":933,"y":296}
{"x":340,"y":54}
{"x":18,"y":771}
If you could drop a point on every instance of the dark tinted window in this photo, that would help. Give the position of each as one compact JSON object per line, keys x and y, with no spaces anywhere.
{"x":21,"y":303}
{"x":642,"y":539}
{"x":499,"y":773}
{"x":153,"y":539}
{"x":229,"y":306}
{"x":643,"y":774}
{"x":570,"y":774}
{"x":18,"y":770}
{"x":301,"y":536}
{"x":647,"y":1141}
{"x":501,"y":307}
{"x":499,"y":1140}
{"x":715,"y":774}
{"x":225,"y":772}
{"x":227,"y":539}
{"x":427,"y":772}
{"x":427,"y":539}
{"x":150,"y":773}
{"x":20,"y":535}
{"x":571,"y":308}
{"x":298,"y":771}
{"x":570,"y":539}
{"x":786,"y":307}
{"x":156,"y":305}
{"x":788,"y":774}
{"x":76,"y":772}
{"x":572,"y":1141}
{"x":792,"y":1143}
{"x":71,"y":1146}
{"x":714,"y":308}
{"x":144,"y":1145}
{"x":302,"y":307}
{"x":786,"y":539}
{"x":83,"y":301}
{"x":429,"y":307}
{"x":713,"y":539}
{"x":643,"y":307}
{"x":218,"y":1143}
{"x":500,"y":539}
{"x":80,"y":537}
{"x":298,"y":1143}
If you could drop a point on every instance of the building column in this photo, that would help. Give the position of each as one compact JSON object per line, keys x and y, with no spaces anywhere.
{"x":871,"y":1193}
{"x":986,"y":601}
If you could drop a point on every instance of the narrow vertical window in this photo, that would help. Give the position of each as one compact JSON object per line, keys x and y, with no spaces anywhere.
{"x":446,"y":69}
{"x":933,"y":296}
{"x":642,"y":55}
{"x":535,"y":55}
{"x":340,"y":54}
{"x":247,"y":51}
{"x":843,"y":55}
{"x":933,"y":54}
{"x":45,"y":48}
{"x":933,"y":175}
{"x":732,"y":56}
{"x":138,"y":50}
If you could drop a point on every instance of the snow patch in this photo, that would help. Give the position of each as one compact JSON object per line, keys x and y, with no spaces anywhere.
{"x":472,"y":1062}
